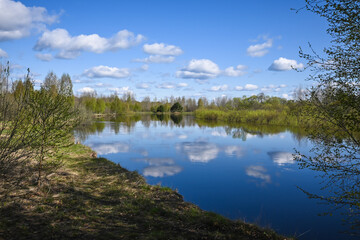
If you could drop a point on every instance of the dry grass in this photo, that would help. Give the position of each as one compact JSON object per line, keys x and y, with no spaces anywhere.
{"x":93,"y":198}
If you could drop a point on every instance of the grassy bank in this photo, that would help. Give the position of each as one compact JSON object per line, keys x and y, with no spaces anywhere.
{"x":93,"y":198}
{"x":261,"y":116}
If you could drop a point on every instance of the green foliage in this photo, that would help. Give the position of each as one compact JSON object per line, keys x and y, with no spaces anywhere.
{"x":100,"y":106}
{"x":117,"y":106}
{"x":176,"y":107}
{"x":54,"y":118}
{"x":334,"y":103}
{"x":160,"y":109}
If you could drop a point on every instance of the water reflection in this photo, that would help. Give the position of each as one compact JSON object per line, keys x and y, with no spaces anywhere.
{"x":108,"y":148}
{"x":230,"y":160}
{"x":161,"y":171}
{"x":258,"y":172}
{"x":237,"y":151}
{"x":282,"y":158}
{"x":199,"y":151}
{"x":160,"y":167}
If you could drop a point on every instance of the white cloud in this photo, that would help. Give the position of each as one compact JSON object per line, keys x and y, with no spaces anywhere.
{"x":17,"y":20}
{"x":250,"y":87}
{"x":273,"y":88}
{"x":71,"y":46}
{"x":156,"y":59}
{"x":235,"y":72}
{"x":162,"y":49}
{"x":142,"y":86}
{"x":44,"y":57}
{"x":106,"y":72}
{"x":3,"y":54}
{"x":219,"y":88}
{"x":166,"y":86}
{"x":182,"y":85}
{"x":259,"y":50}
{"x":286,"y":96}
{"x":144,"y":67}
{"x":121,"y":90}
{"x":239,"y":88}
{"x":199,"y":69}
{"x":86,"y":90}
{"x":284,"y":64}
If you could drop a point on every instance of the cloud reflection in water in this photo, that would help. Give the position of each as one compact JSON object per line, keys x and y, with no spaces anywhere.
{"x":161,"y":171}
{"x":282,"y":158}
{"x":258,"y":172}
{"x":199,"y":151}
{"x":108,"y":148}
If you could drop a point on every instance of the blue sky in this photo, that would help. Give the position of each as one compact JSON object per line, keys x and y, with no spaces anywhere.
{"x":162,"y":48}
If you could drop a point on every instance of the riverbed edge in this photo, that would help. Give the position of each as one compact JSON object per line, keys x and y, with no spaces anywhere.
{"x":91,"y":197}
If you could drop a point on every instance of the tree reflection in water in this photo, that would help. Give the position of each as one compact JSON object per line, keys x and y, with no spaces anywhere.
{"x":337,"y":160}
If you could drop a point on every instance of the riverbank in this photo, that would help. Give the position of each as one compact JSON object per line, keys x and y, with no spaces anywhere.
{"x":94,"y":198}
{"x":261,"y":116}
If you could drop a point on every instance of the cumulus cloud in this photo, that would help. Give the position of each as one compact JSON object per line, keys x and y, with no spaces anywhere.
{"x":219,"y":88}
{"x":162,"y":49}
{"x":199,"y":151}
{"x":273,"y":88}
{"x":166,"y":86}
{"x":286,"y":96}
{"x":182,"y":85}
{"x":121,"y":90}
{"x":71,"y":46}
{"x":282,"y":158}
{"x":142,"y":86}
{"x":199,"y":69}
{"x":86,"y":90}
{"x":247,"y":87}
{"x":156,"y":59}
{"x":144,"y":67}
{"x":235,"y":72}
{"x":250,"y":87}
{"x":106,"y":72}
{"x":203,"y":69}
{"x":3,"y":54}
{"x":284,"y":64}
{"x":44,"y":57}
{"x":17,"y":20}
{"x":259,"y":50}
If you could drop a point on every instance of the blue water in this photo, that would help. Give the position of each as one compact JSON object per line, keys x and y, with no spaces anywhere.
{"x":250,"y":176}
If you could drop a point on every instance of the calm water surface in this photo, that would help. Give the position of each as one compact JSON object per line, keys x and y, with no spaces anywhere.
{"x":242,"y":172}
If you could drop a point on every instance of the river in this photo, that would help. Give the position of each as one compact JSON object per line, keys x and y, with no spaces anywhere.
{"x":242,"y":172}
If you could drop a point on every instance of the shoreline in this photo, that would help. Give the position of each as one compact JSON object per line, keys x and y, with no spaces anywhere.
{"x":94,"y":198}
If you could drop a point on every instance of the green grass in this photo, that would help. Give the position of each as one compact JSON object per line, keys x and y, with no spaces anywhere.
{"x":261,"y":116}
{"x":93,"y":198}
